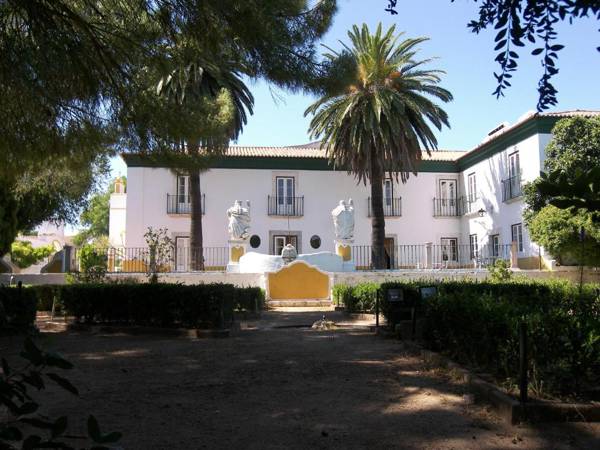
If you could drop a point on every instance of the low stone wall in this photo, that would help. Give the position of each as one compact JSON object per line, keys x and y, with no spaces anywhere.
{"x":350,"y":278}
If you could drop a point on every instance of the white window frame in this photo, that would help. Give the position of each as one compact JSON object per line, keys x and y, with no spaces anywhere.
{"x":473,"y":246}
{"x":471,"y":187}
{"x":284,"y":201}
{"x":449,"y":247}
{"x":516,"y":232}
{"x":495,"y":245}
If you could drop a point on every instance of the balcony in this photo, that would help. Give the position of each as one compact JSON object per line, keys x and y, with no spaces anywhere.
{"x":511,"y":188}
{"x":180,"y":204}
{"x":285,"y":206}
{"x":392,"y":207}
{"x":448,"y":207}
{"x":471,"y":205}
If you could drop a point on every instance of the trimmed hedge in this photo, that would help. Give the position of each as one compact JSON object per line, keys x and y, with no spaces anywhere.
{"x":477,"y":323}
{"x":17,"y":309}
{"x":159,"y":304}
{"x":360,"y":298}
{"x":250,"y":299}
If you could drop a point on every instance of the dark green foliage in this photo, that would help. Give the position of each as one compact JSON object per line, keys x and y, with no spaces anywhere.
{"x":359,"y":298}
{"x":91,"y":257}
{"x":15,"y":385}
{"x":251,"y":299}
{"x":157,"y":304}
{"x":17,"y":309}
{"x":477,"y":323}
{"x":521,"y":22}
{"x":9,"y":224}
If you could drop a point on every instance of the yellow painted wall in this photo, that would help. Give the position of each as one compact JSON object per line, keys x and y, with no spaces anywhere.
{"x":236,"y":253}
{"x":298,"y":281}
{"x":345,"y":251}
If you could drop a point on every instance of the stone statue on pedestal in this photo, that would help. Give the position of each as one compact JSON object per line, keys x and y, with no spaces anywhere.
{"x":343,"y":220}
{"x":239,"y":221}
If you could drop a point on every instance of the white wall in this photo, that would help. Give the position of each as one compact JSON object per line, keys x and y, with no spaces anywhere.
{"x":322,"y":190}
{"x":117,"y":220}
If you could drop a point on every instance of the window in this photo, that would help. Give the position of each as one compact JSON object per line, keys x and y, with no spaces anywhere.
{"x":514,"y":165}
{"x":388,"y":192}
{"x":517,"y":235}
{"x":255,"y":241}
{"x":315,"y":241}
{"x":183,"y":189}
{"x":448,"y":191}
{"x":495,"y":245}
{"x":285,"y":192}
{"x":473,"y":246}
{"x":449,"y":249}
{"x":280,"y":241}
{"x":182,"y":253}
{"x":472,"y":188}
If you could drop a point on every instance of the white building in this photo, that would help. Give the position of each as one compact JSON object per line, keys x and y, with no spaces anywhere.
{"x":464,"y":204}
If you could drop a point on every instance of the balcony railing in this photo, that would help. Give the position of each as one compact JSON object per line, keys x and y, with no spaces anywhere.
{"x":180,"y":204}
{"x":421,"y":256}
{"x":139,"y":259}
{"x":448,"y":207}
{"x":470,"y":205}
{"x":285,"y":206}
{"x":511,"y":188}
{"x":392,"y":207}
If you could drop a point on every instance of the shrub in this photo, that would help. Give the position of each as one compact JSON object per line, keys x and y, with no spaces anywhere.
{"x":45,"y":295}
{"x":156,"y":304}
{"x":250,"y":299}
{"x":477,"y":323}
{"x":500,"y":271}
{"x":23,"y":254}
{"x":17,"y":309}
{"x":359,"y":298}
{"x":91,"y":258}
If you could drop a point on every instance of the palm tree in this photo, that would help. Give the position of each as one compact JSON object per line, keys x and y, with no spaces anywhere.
{"x":375,"y":113}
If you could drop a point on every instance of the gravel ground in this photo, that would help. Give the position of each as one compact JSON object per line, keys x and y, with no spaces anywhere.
{"x":280,"y":388}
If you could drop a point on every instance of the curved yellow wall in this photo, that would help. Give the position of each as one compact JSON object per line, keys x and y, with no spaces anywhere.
{"x":298,"y":281}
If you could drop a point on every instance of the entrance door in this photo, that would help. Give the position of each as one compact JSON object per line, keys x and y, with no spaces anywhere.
{"x":449,"y":250}
{"x":447,"y":192}
{"x":390,"y":253}
{"x":281,"y":241}
{"x":182,"y":256}
{"x":285,"y":196}
{"x":183,"y":194}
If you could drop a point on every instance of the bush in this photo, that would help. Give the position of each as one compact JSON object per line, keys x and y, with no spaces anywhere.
{"x":359,"y":298}
{"x":477,"y":324}
{"x":161,"y":304}
{"x":251,"y":299}
{"x":91,"y":257}
{"x":23,"y":254}
{"x":45,"y":295}
{"x":17,"y":309}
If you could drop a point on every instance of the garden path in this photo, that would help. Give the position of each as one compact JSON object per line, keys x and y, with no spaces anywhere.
{"x":280,"y":388}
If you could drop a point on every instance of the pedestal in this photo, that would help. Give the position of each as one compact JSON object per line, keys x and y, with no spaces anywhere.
{"x":343,"y":248}
{"x":237,"y":249}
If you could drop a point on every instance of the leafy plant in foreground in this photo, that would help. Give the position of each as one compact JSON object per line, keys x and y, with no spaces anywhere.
{"x":23,"y":409}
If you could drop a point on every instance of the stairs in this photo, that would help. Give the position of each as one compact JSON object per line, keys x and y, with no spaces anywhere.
{"x":300,"y":303}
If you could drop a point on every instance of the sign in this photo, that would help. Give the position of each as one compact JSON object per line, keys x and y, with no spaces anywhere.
{"x":428,"y":291}
{"x":395,"y":295}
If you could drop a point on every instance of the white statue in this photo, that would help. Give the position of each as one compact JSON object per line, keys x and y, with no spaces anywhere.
{"x":343,"y":220}
{"x":239,"y":221}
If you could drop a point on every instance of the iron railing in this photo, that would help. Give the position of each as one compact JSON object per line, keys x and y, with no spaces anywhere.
{"x":423,"y":256}
{"x":448,"y":207}
{"x":470,"y":205}
{"x":285,"y":206}
{"x":181,"y":204}
{"x":392,"y":207}
{"x":511,"y":188}
{"x":139,"y":259}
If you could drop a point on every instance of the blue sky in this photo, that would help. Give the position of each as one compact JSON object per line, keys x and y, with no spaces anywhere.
{"x":468,"y":60}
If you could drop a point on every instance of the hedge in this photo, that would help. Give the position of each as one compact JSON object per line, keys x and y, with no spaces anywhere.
{"x":476,"y":323}
{"x":17,"y":309}
{"x":360,"y":298}
{"x":251,"y":299}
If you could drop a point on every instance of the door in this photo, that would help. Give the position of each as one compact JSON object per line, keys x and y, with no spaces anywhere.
{"x":182,"y":256}
{"x":447,"y":193}
{"x":472,"y":187}
{"x":390,"y":254}
{"x":285,"y":195}
{"x":183,"y":194}
{"x":514,"y":173}
{"x":449,"y":250}
{"x":280,"y":241}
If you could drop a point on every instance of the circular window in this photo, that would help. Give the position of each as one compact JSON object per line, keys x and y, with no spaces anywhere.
{"x":254,"y":241}
{"x":315,"y":241}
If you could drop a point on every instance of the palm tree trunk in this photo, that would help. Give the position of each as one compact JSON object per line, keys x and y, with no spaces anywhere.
{"x":377,"y":220}
{"x":196,"y":239}
{"x":196,"y":244}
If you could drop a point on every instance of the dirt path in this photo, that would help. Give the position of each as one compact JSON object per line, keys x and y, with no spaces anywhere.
{"x":281,"y":388}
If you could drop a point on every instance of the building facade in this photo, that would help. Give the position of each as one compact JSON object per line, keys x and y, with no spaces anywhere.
{"x":464,"y":204}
